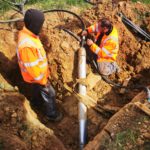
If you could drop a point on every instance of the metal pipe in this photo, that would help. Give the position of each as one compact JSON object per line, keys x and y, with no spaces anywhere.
{"x":82,"y":90}
{"x":148,"y":94}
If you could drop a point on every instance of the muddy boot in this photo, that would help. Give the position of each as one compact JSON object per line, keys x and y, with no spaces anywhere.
{"x":51,"y":111}
{"x":57,"y":117}
{"x":48,"y":95}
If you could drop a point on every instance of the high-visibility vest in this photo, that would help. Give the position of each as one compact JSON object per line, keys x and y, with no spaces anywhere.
{"x":107,"y":51}
{"x":32,"y":58}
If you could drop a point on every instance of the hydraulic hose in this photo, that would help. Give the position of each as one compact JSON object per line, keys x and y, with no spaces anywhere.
{"x":72,"y":34}
{"x":93,"y":3}
{"x":19,"y":7}
{"x":74,"y":14}
{"x":142,"y":32}
{"x":46,"y":11}
{"x":135,"y":27}
{"x":88,"y":1}
{"x":69,"y":12}
{"x":12,"y":20}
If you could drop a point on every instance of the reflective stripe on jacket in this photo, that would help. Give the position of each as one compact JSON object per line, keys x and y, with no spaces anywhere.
{"x":107,"y":51}
{"x":32,"y":58}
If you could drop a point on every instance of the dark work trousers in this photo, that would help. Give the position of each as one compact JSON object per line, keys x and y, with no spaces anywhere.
{"x":45,"y":96}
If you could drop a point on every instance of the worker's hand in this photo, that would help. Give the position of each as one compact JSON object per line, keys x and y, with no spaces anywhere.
{"x":84,"y":33}
{"x":89,"y":42}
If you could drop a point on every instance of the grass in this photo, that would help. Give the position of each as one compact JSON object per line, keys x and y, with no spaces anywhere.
{"x":142,"y":1}
{"x":47,"y":4}
{"x":128,"y":136}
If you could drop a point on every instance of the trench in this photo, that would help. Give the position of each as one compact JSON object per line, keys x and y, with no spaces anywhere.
{"x":67,"y":129}
{"x":63,"y":62}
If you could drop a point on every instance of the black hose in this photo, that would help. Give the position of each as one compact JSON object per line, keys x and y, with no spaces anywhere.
{"x":72,"y":34}
{"x":46,"y":11}
{"x":78,"y":17}
{"x":93,"y":3}
{"x":139,"y":30}
{"x":19,"y":7}
{"x":12,"y":20}
{"x":90,"y":2}
{"x":132,"y":24}
{"x":67,"y":11}
{"x":135,"y":27}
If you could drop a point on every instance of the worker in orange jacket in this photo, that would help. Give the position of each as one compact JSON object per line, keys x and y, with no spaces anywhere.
{"x":105,"y":45}
{"x":33,"y":63}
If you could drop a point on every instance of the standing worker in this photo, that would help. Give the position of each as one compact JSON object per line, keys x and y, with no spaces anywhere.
{"x":33,"y":63}
{"x":105,"y":46}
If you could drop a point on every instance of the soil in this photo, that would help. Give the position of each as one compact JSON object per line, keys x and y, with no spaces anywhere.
{"x":22,"y":128}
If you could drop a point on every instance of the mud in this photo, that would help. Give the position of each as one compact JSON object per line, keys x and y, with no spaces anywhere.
{"x":61,"y":51}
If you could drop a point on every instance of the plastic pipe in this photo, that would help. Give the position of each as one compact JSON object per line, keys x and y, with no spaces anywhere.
{"x":82,"y":90}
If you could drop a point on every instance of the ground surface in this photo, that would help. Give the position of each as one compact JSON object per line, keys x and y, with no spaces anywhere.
{"x":134,"y":61}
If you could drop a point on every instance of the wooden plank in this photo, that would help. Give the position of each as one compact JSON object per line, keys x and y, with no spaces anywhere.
{"x":125,"y":83}
{"x":143,"y":107}
{"x":86,"y":100}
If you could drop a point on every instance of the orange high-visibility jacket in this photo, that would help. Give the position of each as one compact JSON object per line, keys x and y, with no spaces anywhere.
{"x":32,"y":58}
{"x":108,"y":49}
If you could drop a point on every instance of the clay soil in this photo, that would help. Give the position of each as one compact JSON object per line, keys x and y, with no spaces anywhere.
{"x":122,"y":127}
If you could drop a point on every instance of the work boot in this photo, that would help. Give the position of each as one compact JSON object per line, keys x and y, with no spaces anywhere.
{"x":51,"y":111}
{"x":57,"y":117}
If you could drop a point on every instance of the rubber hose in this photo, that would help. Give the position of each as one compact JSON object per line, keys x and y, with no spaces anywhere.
{"x":137,"y":27}
{"x":139,"y":30}
{"x":131,"y":24}
{"x":67,"y":11}
{"x":92,"y":3}
{"x":78,"y":17}
{"x":72,"y":34}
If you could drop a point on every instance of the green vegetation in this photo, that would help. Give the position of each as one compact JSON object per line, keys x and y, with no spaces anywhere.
{"x":125,"y":137}
{"x":68,"y":2}
{"x":45,"y":4}
{"x":142,"y":1}
{"x":49,"y":4}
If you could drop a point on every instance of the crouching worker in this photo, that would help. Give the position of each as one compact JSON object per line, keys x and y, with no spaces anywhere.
{"x":33,"y":64}
{"x":105,"y":46}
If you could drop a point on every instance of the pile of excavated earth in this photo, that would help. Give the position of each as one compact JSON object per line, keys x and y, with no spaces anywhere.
{"x":119,"y":118}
